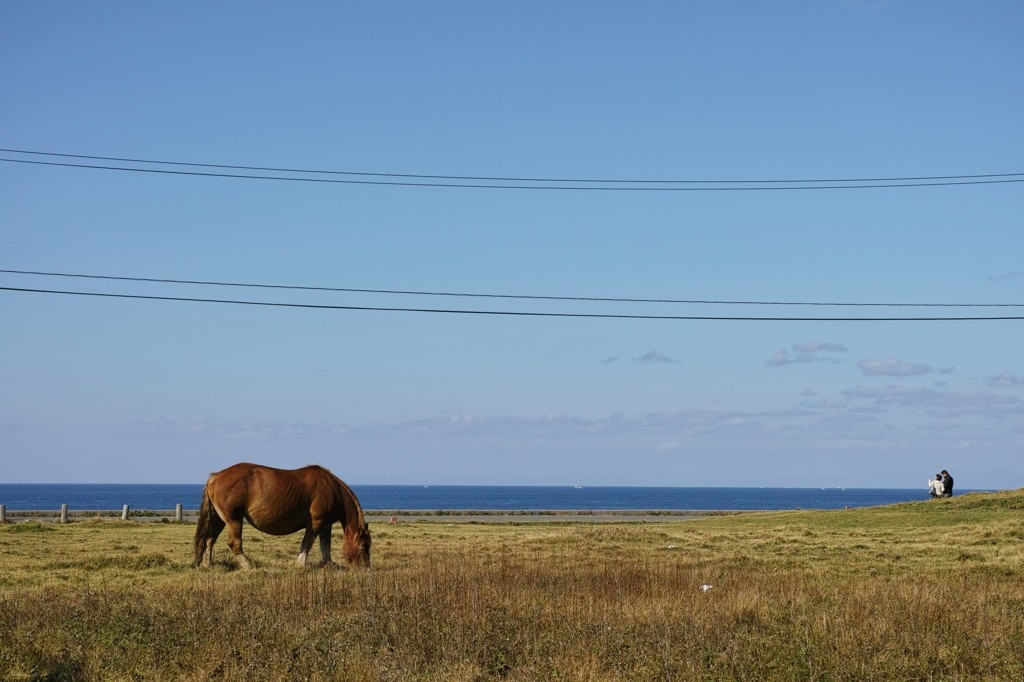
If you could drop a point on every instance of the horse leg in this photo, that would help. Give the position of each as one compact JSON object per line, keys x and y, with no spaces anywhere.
{"x":235,"y":542}
{"x":307,"y":542}
{"x":325,"y":544}
{"x":218,"y":526}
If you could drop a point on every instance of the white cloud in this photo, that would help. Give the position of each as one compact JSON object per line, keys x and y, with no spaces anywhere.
{"x":1006,"y":277}
{"x":819,"y":346}
{"x":892,"y":367}
{"x":238,"y":431}
{"x":807,"y":391}
{"x":874,"y":425}
{"x":666,"y":427}
{"x":656,"y":357}
{"x":827,"y":402}
{"x":660,"y":431}
{"x":941,"y":403}
{"x":780,"y":358}
{"x":869,"y":410}
{"x":609,"y":360}
{"x":1005,"y":380}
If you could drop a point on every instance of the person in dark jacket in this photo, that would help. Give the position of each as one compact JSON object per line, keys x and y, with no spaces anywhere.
{"x":947,"y":484}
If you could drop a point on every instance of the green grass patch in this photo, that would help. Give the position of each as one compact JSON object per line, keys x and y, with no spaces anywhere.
{"x":26,"y":527}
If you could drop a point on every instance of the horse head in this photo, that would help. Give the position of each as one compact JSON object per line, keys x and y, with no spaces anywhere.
{"x":357,"y":546}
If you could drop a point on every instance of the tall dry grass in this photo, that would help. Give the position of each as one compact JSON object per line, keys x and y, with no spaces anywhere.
{"x":817,"y":596}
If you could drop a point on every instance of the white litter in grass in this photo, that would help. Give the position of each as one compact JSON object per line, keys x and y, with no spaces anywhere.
{"x":705,"y":588}
{"x":447,"y":524}
{"x":672,"y":547}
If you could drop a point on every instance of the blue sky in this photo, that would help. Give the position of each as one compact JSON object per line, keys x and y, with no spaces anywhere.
{"x":131,"y":391}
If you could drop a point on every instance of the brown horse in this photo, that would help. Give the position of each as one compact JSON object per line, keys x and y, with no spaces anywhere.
{"x":280,"y":502}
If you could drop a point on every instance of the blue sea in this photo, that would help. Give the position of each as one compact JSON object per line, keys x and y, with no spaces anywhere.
{"x":454,"y":497}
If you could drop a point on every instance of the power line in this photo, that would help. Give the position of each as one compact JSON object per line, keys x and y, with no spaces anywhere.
{"x":509,"y":296}
{"x":454,"y":185}
{"x":499,"y":179}
{"x":514,"y":313}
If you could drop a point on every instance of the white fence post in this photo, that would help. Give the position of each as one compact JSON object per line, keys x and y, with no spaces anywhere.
{"x":177,"y":512}
{"x":124,"y":513}
{"x":63,"y":513}
{"x":3,"y":513}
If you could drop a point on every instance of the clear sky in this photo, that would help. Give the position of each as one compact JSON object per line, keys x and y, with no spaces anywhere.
{"x":135,"y":391}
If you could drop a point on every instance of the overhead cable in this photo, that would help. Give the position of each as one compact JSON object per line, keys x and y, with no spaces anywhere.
{"x":508,"y":296}
{"x":514,"y":313}
{"x":499,"y":178}
{"x":570,"y":188}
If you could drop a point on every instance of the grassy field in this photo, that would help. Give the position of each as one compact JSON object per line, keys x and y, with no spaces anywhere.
{"x":923,"y":591}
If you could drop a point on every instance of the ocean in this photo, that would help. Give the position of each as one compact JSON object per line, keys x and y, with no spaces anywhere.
{"x":461,"y":497}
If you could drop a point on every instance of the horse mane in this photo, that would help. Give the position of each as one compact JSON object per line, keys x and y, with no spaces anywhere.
{"x":359,"y":508}
{"x":360,"y":520}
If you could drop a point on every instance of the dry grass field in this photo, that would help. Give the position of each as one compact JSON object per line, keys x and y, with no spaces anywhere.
{"x":924,"y":591}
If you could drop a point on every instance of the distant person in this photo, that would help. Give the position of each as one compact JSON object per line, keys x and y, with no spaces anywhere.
{"x":947,"y":484}
{"x":935,"y":487}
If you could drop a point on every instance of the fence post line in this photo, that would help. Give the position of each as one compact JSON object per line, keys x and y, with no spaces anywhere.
{"x":177,"y":512}
{"x":124,"y":513}
{"x":63,"y":513}
{"x":3,"y":513}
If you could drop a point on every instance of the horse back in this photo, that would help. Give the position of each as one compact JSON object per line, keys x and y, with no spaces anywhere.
{"x":277,"y":501}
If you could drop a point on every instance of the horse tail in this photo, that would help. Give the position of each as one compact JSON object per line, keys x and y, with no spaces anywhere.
{"x":206,"y":526}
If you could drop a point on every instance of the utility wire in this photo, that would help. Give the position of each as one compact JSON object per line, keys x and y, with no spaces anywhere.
{"x":508,"y":296}
{"x":395,"y":183}
{"x":500,"y":179}
{"x":512,"y":312}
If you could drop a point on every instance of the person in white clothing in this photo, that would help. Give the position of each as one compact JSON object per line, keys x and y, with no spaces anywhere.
{"x":935,"y":487}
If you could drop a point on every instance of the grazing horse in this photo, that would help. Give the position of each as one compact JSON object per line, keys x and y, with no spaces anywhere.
{"x":280,"y":502}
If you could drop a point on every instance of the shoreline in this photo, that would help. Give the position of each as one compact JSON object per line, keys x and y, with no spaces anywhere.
{"x":407,"y":515}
